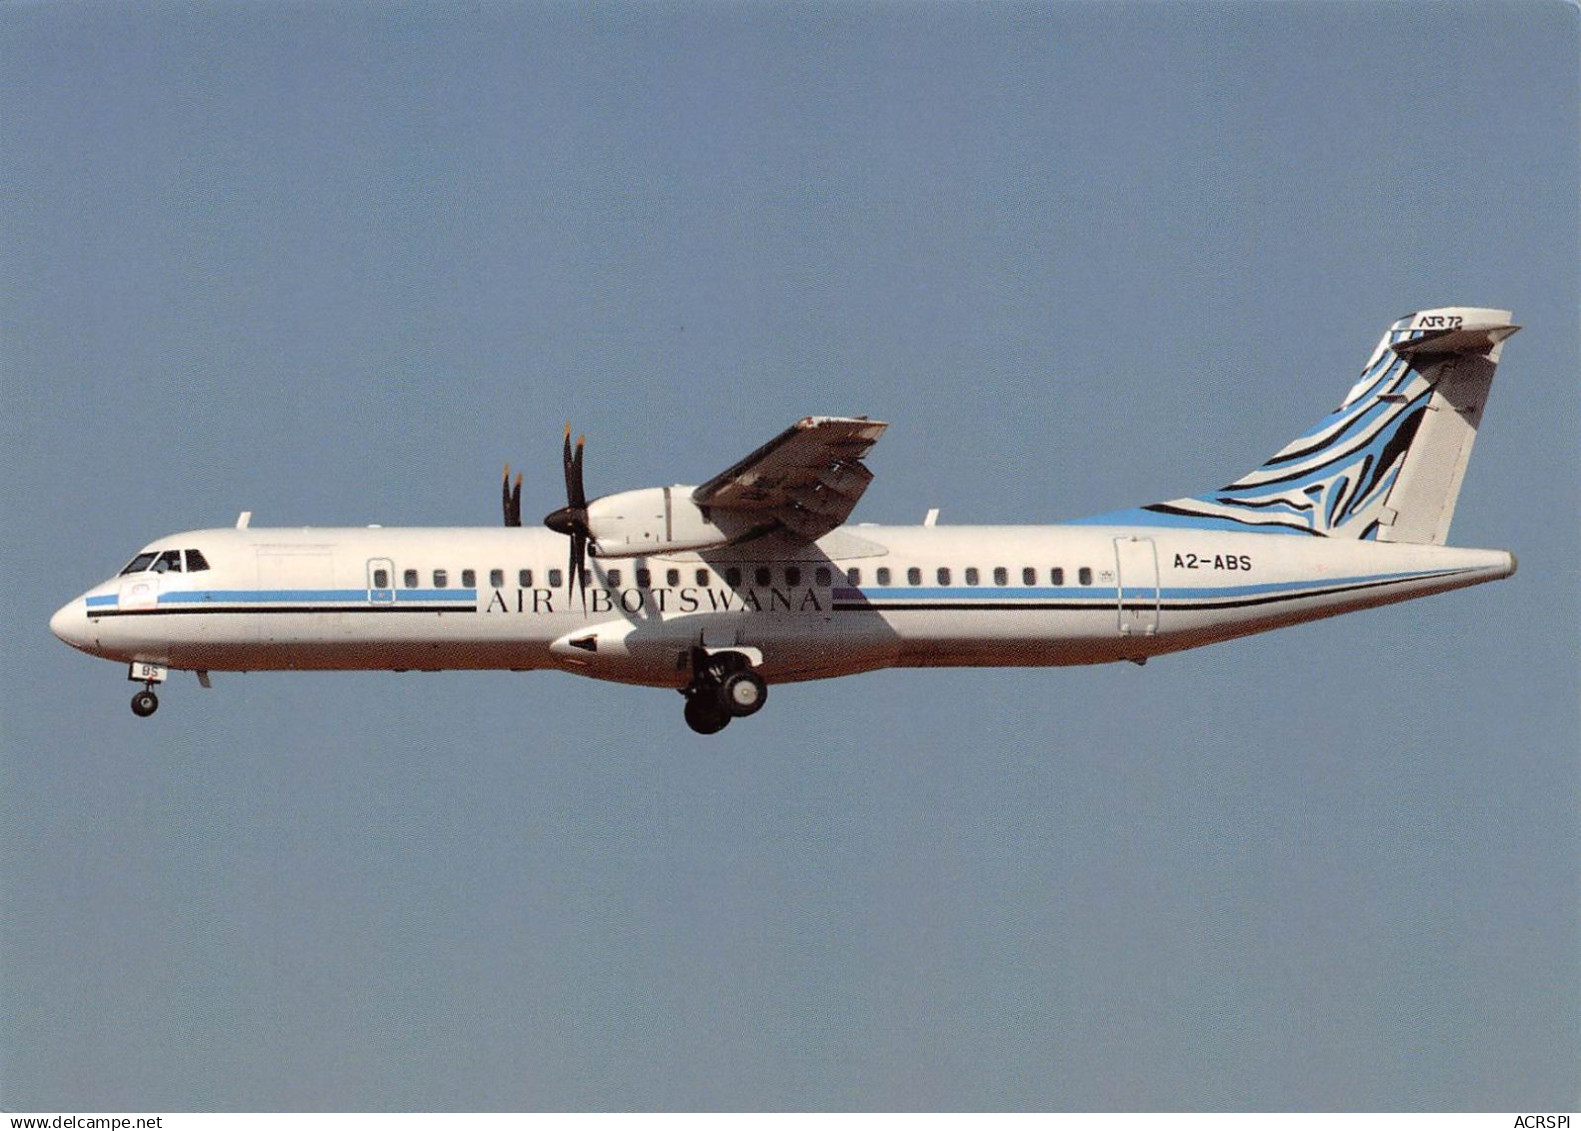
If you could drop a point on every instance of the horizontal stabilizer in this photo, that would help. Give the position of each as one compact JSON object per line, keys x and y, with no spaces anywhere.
{"x":1477,"y":332}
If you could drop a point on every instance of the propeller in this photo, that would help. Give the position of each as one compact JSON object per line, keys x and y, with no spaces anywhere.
{"x":571,"y":519}
{"x":511,"y":498}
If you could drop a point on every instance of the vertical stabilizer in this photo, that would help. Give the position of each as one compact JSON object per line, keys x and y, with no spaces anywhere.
{"x":1385,"y":465}
{"x":1458,"y":363}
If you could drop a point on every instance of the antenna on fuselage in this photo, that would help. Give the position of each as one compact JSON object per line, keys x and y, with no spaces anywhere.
{"x":243,"y":519}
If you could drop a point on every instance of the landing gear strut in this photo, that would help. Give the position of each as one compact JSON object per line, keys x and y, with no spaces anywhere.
{"x":724,"y":686}
{"x":145,"y":702}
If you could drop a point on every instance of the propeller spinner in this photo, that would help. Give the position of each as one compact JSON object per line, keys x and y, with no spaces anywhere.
{"x":571,"y":519}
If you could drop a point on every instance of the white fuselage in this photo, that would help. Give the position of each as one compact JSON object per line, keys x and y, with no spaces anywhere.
{"x":861,"y":598}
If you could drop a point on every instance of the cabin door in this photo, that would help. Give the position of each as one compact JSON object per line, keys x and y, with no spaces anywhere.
{"x":1136,"y":585}
{"x":381,"y":581}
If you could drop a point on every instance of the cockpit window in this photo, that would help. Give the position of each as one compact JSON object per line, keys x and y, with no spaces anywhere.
{"x":196,"y":561}
{"x":167,"y":562}
{"x":139,"y":564}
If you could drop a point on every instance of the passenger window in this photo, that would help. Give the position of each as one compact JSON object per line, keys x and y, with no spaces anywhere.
{"x":1029,"y":576}
{"x":410,"y":578}
{"x":821,"y":577}
{"x":672,"y":577}
{"x":1057,"y":575}
{"x":524,"y":578}
{"x":761,"y":575}
{"x":469,"y":579}
{"x":644,"y":579}
{"x":853,"y":576}
{"x":914,"y":576}
{"x":702,"y":577}
{"x":944,"y":575}
{"x":733,"y":577}
{"x":138,"y":564}
{"x":613,"y":577}
{"x":381,"y":579}
{"x":1084,"y":575}
{"x":496,"y":579}
{"x":971,"y":575}
{"x":792,"y":576}
{"x":1001,"y":575}
{"x":556,"y":579}
{"x":168,"y":562}
{"x":196,"y":561}
{"x":441,"y":578}
{"x":883,"y":575}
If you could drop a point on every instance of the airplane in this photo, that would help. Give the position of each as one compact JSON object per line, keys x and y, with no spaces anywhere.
{"x":755,"y":577}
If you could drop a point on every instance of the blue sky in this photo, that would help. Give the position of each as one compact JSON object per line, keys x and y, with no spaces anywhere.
{"x":335,"y":263}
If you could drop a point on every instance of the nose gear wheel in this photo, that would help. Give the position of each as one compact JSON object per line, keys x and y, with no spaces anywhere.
{"x":145,"y":703}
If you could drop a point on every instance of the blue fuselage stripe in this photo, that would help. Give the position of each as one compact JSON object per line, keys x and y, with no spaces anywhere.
{"x":299,"y":597}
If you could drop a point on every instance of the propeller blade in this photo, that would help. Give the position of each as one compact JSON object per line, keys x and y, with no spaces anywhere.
{"x":570,"y":485}
{"x":512,"y":516}
{"x":578,"y":496}
{"x":577,"y":571}
{"x":516,"y":501}
{"x":571,"y":519}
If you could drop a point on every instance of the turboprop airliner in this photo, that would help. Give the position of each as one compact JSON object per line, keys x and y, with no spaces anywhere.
{"x":755,"y":578}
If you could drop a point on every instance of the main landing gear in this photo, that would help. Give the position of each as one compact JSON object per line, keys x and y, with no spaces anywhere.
{"x":723,"y":687}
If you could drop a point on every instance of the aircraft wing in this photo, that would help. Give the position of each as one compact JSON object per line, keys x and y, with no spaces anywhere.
{"x":806,"y":480}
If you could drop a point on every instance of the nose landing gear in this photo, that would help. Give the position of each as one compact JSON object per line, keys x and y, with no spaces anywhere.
{"x":145,"y":703}
{"x":724,"y":686}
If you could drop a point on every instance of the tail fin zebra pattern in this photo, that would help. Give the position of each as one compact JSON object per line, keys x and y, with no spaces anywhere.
{"x":1385,"y":465}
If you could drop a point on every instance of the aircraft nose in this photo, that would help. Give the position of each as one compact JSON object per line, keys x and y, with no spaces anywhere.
{"x":70,"y":623}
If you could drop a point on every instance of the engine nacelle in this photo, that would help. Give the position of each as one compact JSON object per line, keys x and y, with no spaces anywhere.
{"x":654,"y":520}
